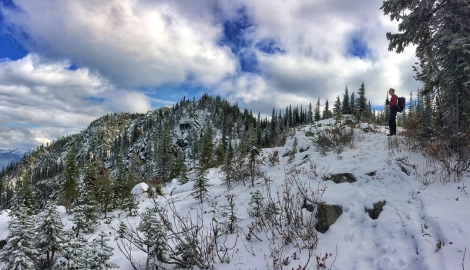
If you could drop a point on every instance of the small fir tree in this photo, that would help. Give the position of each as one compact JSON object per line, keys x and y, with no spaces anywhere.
{"x":101,"y":253}
{"x":201,"y":185}
{"x":154,"y":238}
{"x":69,"y":188}
{"x":20,"y":253}
{"x":49,"y":234}
{"x":72,"y":253}
{"x":85,"y":216}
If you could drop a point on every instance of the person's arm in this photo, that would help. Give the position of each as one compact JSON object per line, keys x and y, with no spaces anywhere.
{"x":393,"y":101}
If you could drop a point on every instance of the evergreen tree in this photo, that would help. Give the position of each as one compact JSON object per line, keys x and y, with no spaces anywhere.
{"x":121,"y":185}
{"x":310,"y":113}
{"x":24,"y":195}
{"x":227,"y":167}
{"x":104,"y":198}
{"x":181,"y":169}
{"x":205,"y":160}
{"x":293,"y":151}
{"x":345,"y":109}
{"x":201,"y":185}
{"x":273,"y":131}
{"x":317,"y":111}
{"x":72,"y":253}
{"x":163,"y":152}
{"x":84,"y":217}
{"x":69,"y":188}
{"x":362,"y":102}
{"x":327,"y":112}
{"x":154,"y":235}
{"x":337,"y":108}
{"x":101,"y":253}
{"x":352,"y":104}
{"x":20,"y":253}
{"x":49,"y":234}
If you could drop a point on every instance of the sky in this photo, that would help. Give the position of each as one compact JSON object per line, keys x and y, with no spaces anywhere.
{"x":64,"y":63}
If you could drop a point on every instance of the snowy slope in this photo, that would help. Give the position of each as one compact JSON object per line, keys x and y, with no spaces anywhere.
{"x":421,"y":226}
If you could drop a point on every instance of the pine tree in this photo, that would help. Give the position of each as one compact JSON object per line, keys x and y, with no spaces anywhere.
{"x":352,"y":104}
{"x":121,"y":185}
{"x":84,"y":217}
{"x":362,"y":102}
{"x":317,"y":111}
{"x":227,"y":167}
{"x":163,"y":152}
{"x":310,"y":113}
{"x":293,"y":151}
{"x":154,"y":235}
{"x":69,"y":189}
{"x":201,"y":185}
{"x":345,"y":109}
{"x":337,"y":108}
{"x":104,"y":198}
{"x":20,"y":253}
{"x":72,"y":253}
{"x":207,"y":148}
{"x":327,"y":112}
{"x":256,"y":204}
{"x":181,"y":169}
{"x":101,"y":253}
{"x":49,"y":234}
{"x":24,"y":195}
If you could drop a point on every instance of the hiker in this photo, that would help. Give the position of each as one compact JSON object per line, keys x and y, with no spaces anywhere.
{"x":392,"y":105}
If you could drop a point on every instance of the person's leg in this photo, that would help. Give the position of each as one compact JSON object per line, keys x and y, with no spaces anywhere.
{"x":393,"y":118}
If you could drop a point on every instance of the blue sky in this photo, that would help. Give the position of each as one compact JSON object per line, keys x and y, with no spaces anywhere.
{"x":65,"y":63}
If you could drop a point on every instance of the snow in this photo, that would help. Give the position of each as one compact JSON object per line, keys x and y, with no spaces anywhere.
{"x":421,"y":226}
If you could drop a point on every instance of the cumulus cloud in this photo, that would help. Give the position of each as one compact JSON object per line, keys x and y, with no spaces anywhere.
{"x":42,"y":100}
{"x":316,"y":55}
{"x":132,"y":43}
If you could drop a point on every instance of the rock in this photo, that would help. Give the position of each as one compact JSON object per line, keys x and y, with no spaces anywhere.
{"x":303,"y":150}
{"x":342,"y":178}
{"x":371,"y":173}
{"x":327,"y":216}
{"x":309,"y":134}
{"x":403,"y":169}
{"x":375,"y":212}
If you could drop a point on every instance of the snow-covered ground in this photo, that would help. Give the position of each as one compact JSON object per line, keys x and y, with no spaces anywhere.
{"x":421,"y":226}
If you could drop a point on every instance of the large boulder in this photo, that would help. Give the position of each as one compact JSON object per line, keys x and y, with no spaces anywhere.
{"x":327,"y":216}
{"x":341,"y":178}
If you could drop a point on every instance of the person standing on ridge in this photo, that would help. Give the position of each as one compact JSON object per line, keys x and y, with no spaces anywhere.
{"x":392,"y":105}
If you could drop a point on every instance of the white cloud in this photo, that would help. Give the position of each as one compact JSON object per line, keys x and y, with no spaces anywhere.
{"x":315,"y":36}
{"x":132,"y":43}
{"x":42,"y":100}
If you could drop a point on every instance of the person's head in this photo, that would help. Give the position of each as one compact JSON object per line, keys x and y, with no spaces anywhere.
{"x":391,"y":91}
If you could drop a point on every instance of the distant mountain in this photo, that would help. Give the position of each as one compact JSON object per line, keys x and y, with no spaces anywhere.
{"x":12,"y":155}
